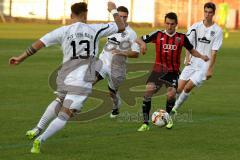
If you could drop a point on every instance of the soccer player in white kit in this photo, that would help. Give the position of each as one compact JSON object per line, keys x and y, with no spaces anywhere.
{"x":206,"y":36}
{"x":114,"y":55}
{"x":79,"y":42}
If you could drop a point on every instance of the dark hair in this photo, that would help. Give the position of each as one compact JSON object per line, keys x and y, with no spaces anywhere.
{"x":171,"y":15}
{"x":122,"y":9}
{"x":78,"y":8}
{"x":210,"y":5}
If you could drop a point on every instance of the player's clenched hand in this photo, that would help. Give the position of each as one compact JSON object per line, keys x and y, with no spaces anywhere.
{"x":205,"y":58}
{"x":15,"y":60}
{"x":143,"y":46}
{"x":111,"y":6}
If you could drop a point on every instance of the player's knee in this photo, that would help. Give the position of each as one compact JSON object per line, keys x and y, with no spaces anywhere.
{"x":149,"y":93}
{"x":187,"y":90}
{"x":150,"y":89}
{"x":171,"y":93}
{"x":171,"y":96}
{"x":73,"y":112}
{"x":64,"y":115}
{"x":150,"y":86}
{"x":190,"y":85}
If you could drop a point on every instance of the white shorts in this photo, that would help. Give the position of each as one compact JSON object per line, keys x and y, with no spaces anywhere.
{"x":75,"y":78}
{"x":74,"y":101}
{"x":196,"y":76}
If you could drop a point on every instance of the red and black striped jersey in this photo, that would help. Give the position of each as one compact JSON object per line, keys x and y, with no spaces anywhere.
{"x":168,"y":49}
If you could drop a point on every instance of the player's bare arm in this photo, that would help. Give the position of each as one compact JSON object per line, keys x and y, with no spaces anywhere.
{"x":211,"y":65}
{"x":142,"y":44}
{"x":195,"y":53}
{"x":113,"y":10}
{"x":129,"y":54}
{"x":187,"y":58}
{"x":28,"y":52}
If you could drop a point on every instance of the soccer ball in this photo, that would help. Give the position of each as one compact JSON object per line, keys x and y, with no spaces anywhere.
{"x":160,"y":118}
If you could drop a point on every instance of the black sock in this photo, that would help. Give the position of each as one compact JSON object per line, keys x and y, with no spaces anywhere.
{"x":146,"y":107}
{"x":170,"y":104}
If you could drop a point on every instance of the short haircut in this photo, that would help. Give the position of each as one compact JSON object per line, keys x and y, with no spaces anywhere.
{"x":122,"y":9}
{"x":210,"y":5}
{"x":171,"y":15}
{"x":78,"y":8}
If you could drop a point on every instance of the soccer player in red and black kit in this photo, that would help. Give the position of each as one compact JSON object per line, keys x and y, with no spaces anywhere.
{"x":168,"y":45}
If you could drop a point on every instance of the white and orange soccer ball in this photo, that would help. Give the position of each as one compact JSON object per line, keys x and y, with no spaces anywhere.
{"x":160,"y":118}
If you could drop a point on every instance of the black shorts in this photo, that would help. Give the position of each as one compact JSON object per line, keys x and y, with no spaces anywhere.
{"x":168,"y":79}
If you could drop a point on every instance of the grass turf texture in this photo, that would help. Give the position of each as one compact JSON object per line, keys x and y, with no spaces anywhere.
{"x":211,"y":132}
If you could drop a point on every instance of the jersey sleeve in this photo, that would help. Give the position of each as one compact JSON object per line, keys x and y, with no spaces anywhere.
{"x":54,"y":37}
{"x":192,"y":35}
{"x":105,"y":30}
{"x":217,"y":43}
{"x":187,"y":43}
{"x":150,"y":37}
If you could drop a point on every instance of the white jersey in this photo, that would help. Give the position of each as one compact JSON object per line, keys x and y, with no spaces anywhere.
{"x":205,"y":40}
{"x":124,"y":41}
{"x":79,"y":40}
{"x":114,"y":66}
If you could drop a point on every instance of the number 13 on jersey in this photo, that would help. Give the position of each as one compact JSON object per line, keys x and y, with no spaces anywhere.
{"x":84,"y":53}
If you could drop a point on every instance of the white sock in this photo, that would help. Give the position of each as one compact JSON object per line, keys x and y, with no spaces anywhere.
{"x":49,"y":114}
{"x":56,"y":125}
{"x":181,"y":99}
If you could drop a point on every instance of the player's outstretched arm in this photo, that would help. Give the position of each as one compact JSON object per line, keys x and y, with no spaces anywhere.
{"x":142,"y":44}
{"x":187,"y":58}
{"x":133,"y":51}
{"x":29,"y":52}
{"x":113,"y":10}
{"x":129,"y":54}
{"x":195,"y":53}
{"x":212,"y":62}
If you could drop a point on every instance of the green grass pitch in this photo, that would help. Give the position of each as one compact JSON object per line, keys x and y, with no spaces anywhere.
{"x":208,"y":129}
